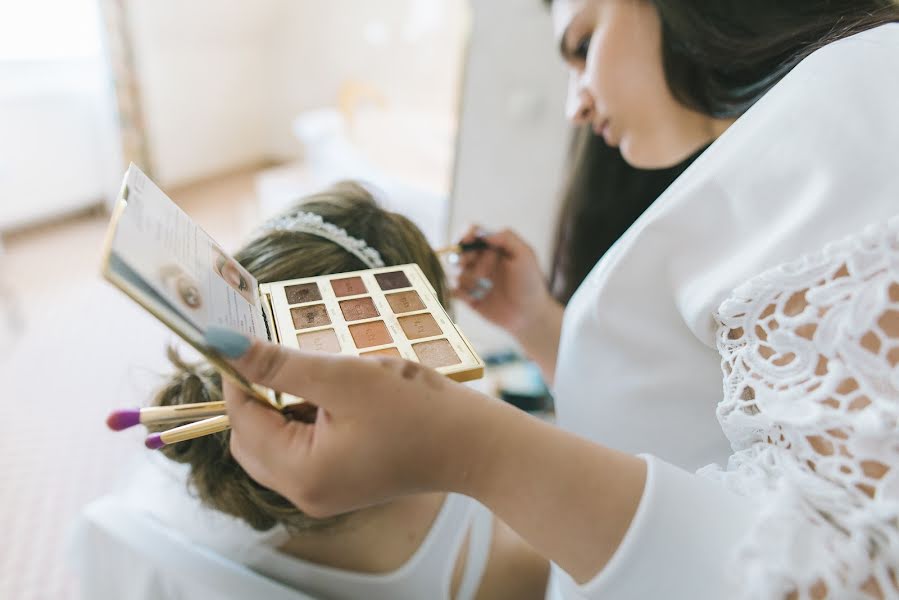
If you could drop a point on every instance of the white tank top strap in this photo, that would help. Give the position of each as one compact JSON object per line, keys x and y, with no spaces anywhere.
{"x":427,"y":574}
{"x":480,"y":536}
{"x":436,"y":558}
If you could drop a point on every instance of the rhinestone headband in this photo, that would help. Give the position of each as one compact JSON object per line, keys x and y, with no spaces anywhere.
{"x":314,"y":224}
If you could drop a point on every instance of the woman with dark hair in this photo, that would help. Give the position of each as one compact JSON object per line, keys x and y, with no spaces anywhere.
{"x":797,"y":100}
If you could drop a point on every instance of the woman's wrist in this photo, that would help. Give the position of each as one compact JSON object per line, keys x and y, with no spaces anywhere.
{"x":470,"y":441}
{"x":494,"y":425}
{"x":524,"y":470}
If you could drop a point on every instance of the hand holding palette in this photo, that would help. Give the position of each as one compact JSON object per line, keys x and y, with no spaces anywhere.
{"x":171,"y":267}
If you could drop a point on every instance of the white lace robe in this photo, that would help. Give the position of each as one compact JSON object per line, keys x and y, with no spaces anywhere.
{"x":810,"y":356}
{"x":806,"y":507}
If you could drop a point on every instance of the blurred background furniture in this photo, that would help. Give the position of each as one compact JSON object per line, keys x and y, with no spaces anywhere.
{"x":111,"y":537}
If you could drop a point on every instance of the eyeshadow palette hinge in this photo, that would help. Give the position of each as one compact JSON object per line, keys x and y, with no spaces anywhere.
{"x":268,"y":317}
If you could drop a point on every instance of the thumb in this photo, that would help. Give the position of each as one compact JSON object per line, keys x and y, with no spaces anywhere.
{"x":309,"y":375}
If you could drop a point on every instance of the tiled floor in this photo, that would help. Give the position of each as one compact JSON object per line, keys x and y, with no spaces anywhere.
{"x":76,"y":349}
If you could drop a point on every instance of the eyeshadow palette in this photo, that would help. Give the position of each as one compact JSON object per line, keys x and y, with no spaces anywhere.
{"x":391,"y":311}
{"x":160,"y":258}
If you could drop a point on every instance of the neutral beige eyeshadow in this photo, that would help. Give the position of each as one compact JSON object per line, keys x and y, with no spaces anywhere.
{"x":419,"y":326}
{"x":324,"y":340}
{"x":436,"y":353}
{"x":310,"y":316}
{"x":358,"y":309}
{"x":403,"y":302}
{"x":366,"y":335}
{"x":304,"y":292}
{"x":348,"y":286}
{"x":384,"y":352}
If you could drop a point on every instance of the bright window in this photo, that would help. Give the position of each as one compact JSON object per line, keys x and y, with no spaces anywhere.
{"x":49,"y":29}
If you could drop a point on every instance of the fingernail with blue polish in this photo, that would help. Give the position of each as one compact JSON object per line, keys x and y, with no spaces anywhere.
{"x":227,"y":342}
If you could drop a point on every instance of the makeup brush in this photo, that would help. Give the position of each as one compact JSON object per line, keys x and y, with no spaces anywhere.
{"x":187,"y":432}
{"x":475,"y":244}
{"x":302,"y":411}
{"x":156,"y":415}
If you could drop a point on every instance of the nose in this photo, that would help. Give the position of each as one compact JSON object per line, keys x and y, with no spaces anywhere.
{"x":579,"y":106}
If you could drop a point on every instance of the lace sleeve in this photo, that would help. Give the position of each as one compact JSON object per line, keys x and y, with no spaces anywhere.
{"x":811,"y":406}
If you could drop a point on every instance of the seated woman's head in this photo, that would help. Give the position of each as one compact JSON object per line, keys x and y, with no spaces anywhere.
{"x":279,"y":254}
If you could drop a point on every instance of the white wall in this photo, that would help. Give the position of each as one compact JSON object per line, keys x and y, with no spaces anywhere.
{"x":410,"y":50}
{"x":57,"y":146}
{"x":205,"y":73}
{"x":58,"y":150}
{"x":223,"y":80}
{"x":512,"y":136}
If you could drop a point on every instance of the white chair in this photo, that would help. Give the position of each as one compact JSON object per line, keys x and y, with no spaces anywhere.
{"x":124,"y":553}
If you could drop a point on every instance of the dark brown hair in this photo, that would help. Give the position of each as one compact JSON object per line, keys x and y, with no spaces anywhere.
{"x":215,"y":477}
{"x":721,"y":56}
{"x":602,"y":197}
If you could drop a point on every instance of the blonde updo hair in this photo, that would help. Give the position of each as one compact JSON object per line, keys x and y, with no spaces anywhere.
{"x":215,"y":477}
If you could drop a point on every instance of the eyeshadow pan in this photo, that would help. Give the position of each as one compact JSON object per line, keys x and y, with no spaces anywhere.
{"x":304,"y":292}
{"x":419,"y":326}
{"x":436,"y":353}
{"x":324,"y":340}
{"x":358,"y":309}
{"x":305,"y":317}
{"x":348,"y":286}
{"x":403,"y":302}
{"x":384,"y":352}
{"x":366,"y":335}
{"x":393,"y":280}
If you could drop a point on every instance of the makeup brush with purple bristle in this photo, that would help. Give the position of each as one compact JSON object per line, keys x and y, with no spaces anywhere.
{"x":158,"y":415}
{"x":186,"y":432}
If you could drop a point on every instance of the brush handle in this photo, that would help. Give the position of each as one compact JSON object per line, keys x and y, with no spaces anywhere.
{"x":475,"y":244}
{"x":157,"y":415}
{"x":188,"y":432}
